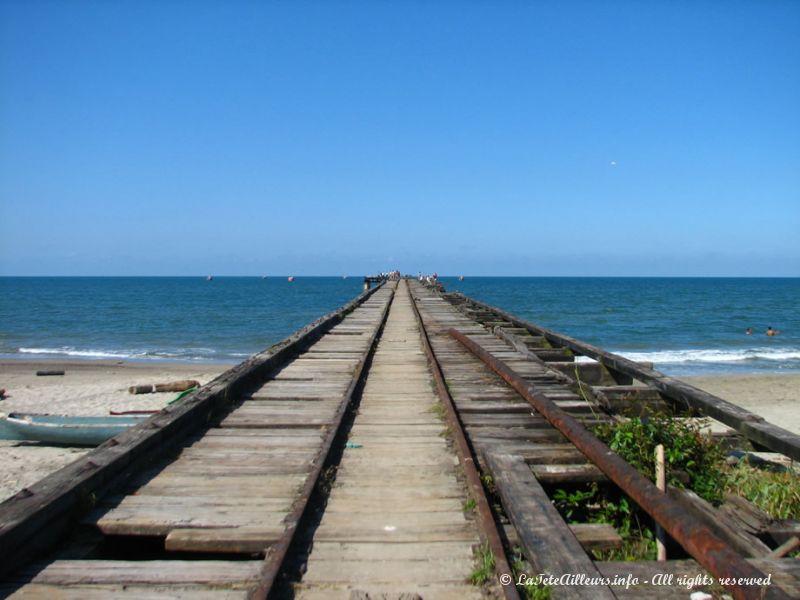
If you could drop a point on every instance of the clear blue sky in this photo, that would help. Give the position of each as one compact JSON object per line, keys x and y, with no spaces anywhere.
{"x":496,"y":138}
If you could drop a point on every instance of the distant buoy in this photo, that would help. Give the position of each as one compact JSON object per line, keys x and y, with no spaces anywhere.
{"x":291,"y":279}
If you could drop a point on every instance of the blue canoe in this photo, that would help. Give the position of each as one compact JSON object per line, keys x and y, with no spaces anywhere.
{"x":63,"y":430}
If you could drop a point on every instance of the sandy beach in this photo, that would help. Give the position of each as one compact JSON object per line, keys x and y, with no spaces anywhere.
{"x":87,"y":388}
{"x":774,"y":397}
{"x":97,"y":387}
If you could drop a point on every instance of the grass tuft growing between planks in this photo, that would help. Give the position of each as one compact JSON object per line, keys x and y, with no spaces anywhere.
{"x":485,"y":569}
{"x":529,"y":588}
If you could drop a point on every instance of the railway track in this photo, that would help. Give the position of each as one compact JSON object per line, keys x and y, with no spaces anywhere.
{"x":318,"y":469}
{"x":523,"y":401}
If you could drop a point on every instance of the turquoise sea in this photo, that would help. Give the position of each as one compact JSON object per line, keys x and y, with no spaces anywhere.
{"x":685,"y":326}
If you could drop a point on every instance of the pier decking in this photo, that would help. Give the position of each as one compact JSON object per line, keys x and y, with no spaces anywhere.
{"x":395,"y":519}
{"x":332,"y":466}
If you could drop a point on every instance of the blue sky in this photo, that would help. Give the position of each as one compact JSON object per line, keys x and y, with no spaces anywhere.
{"x":494,"y":138}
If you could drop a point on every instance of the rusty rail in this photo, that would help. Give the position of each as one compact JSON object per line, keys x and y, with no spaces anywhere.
{"x":695,"y":536}
{"x":466,"y":456}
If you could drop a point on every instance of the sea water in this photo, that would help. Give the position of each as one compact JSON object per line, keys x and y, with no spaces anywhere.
{"x":684,"y":326}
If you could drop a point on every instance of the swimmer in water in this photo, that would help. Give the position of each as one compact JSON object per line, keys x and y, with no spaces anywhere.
{"x":772,"y":332}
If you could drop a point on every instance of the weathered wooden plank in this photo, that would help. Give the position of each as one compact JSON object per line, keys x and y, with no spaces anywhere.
{"x":39,"y":591}
{"x":634,"y":400}
{"x":219,"y":573}
{"x":556,"y":474}
{"x":742,"y":542}
{"x":234,"y":540}
{"x":160,"y":520}
{"x":438,"y":570}
{"x":785,"y":573}
{"x":222,"y":499}
{"x":409,"y":534}
{"x":596,"y":536}
{"x":273,"y":466}
{"x":592,"y":373}
{"x":548,"y":542}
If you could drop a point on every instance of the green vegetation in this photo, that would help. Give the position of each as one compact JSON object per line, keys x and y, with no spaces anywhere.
{"x":777,"y":494}
{"x":531,"y":591}
{"x":593,"y":503}
{"x":689,"y":454}
{"x":485,"y":569}
{"x":470,"y":505}
{"x":693,"y":460}
{"x":439,"y":410}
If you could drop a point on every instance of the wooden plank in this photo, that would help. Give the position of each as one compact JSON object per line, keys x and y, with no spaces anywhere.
{"x":596,"y":536}
{"x":592,"y":536}
{"x":234,"y":540}
{"x":221,"y":573}
{"x":785,"y":574}
{"x":556,"y":474}
{"x":269,"y":467}
{"x":222,"y":499}
{"x":548,"y":542}
{"x":737,"y":538}
{"x":39,"y":591}
{"x":160,"y":520}
{"x":543,"y":454}
{"x":409,"y":534}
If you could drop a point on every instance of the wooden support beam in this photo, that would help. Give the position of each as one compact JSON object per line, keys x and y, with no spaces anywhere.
{"x":744,"y":543}
{"x":548,"y":543}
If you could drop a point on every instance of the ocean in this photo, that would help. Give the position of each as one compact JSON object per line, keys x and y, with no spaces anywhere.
{"x":691,"y":326}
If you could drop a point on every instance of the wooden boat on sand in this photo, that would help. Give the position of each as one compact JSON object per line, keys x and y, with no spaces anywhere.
{"x":64,"y":430}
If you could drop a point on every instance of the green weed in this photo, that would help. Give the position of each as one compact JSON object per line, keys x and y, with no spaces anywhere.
{"x":531,"y":591}
{"x":687,"y":451}
{"x":777,"y":494}
{"x":485,"y":569}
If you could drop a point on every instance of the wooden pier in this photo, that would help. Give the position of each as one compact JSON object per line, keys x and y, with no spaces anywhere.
{"x":392,"y":449}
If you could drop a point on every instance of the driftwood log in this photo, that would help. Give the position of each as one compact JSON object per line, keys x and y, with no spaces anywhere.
{"x":175,"y":386}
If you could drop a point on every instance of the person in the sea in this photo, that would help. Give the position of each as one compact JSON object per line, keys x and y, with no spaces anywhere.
{"x":748,"y":331}
{"x":772,"y":332}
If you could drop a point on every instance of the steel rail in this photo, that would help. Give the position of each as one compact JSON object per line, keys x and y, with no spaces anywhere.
{"x":694,"y":535}
{"x":277,"y":552}
{"x":466,"y":456}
